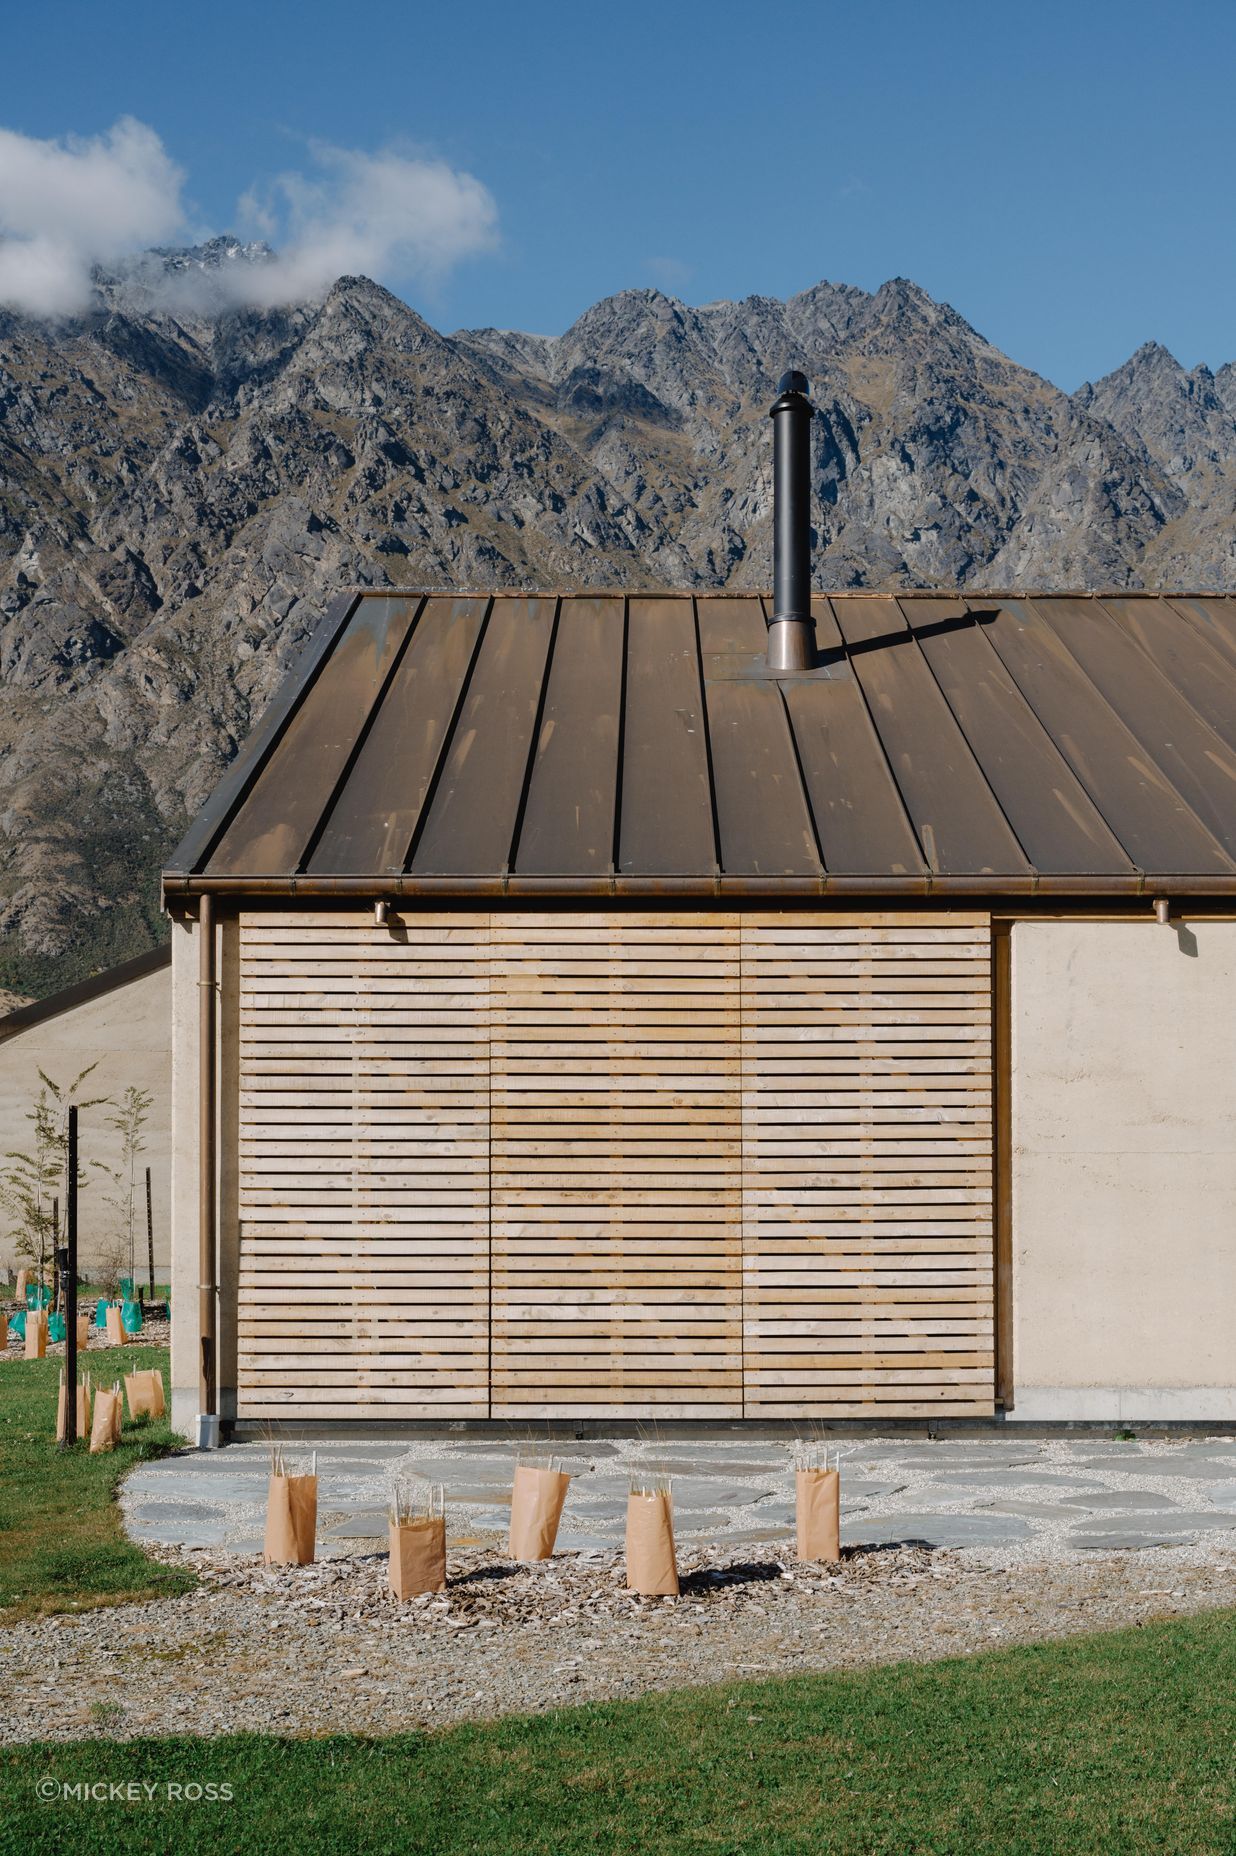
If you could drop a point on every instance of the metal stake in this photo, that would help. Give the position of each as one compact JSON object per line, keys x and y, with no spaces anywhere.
{"x":68,"y":1279}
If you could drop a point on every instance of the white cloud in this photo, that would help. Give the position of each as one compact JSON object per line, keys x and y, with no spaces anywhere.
{"x":389,"y":213}
{"x":69,"y":204}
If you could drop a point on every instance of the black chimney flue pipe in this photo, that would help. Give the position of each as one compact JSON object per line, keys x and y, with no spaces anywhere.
{"x":791,"y":629}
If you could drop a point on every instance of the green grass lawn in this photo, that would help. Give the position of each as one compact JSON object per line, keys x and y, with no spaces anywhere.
{"x":61,"y":1544}
{"x":1102,"y":1746}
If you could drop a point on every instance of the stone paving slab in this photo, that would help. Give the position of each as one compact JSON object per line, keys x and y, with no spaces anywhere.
{"x":161,"y":1513}
{"x":1119,"y":1542}
{"x":593,"y":1508}
{"x":371,"y":1524}
{"x":1034,"y":1511}
{"x":692,"y":1465}
{"x":938,"y":1530}
{"x":1192,"y":1520}
{"x":700,"y":1491}
{"x":170,"y":1533}
{"x":1199,"y":1469}
{"x":1176,"y":1527}
{"x":1119,"y":1498}
{"x":981,"y":1477}
{"x":932,"y":1462}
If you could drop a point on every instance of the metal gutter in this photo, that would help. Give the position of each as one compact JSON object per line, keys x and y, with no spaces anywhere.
{"x":1137,"y":883}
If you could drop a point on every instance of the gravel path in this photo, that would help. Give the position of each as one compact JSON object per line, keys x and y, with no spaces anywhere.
{"x":323,"y":1649}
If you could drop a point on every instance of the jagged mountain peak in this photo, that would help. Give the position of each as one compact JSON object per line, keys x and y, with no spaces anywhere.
{"x":186,"y":474}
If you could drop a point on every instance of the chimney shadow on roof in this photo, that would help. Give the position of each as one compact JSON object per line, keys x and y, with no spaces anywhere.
{"x":935,"y":628}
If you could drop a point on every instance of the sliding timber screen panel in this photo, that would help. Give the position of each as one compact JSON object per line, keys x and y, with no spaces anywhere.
{"x":364,"y":1166}
{"x":867,"y":1183}
{"x":616,"y":1184}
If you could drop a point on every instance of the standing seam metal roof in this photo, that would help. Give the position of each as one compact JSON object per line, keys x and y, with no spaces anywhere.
{"x":636,"y":745}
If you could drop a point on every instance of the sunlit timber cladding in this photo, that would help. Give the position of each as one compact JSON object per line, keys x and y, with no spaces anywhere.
{"x":609,"y":1025}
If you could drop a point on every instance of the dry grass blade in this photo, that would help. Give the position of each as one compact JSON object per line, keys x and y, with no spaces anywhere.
{"x":415,"y":1499}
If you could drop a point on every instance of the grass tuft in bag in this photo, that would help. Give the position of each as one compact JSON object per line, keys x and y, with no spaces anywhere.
{"x":418,"y":1539}
{"x":105,"y":1424}
{"x":817,"y":1509}
{"x":36,"y":1334}
{"x":537,"y":1495}
{"x":652,"y":1565}
{"x":291,"y":1513}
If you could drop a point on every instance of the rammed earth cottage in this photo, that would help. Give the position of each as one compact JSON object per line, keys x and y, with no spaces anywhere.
{"x":614,"y":1007}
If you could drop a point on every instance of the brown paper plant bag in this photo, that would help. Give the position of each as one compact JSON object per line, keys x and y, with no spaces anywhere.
{"x":105,"y":1425}
{"x":145,"y":1394}
{"x":36,"y":1333}
{"x":291,"y":1513}
{"x":418,"y":1540}
{"x":537,"y":1495}
{"x":23,"y":1277}
{"x":818,"y":1509}
{"x":652,"y":1567}
{"x":83,"y":1409}
{"x":4,"y":1332}
{"x":83,"y":1333}
{"x":115,"y":1326}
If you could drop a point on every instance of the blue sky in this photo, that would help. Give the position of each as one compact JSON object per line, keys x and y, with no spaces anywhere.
{"x":1061,"y":173}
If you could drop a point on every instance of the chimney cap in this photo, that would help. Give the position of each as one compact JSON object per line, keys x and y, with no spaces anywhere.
{"x":793,"y":382}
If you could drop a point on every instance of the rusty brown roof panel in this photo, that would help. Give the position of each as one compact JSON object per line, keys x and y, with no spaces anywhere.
{"x":376,"y":814}
{"x":1213,"y":618}
{"x":731,"y":627}
{"x":665,"y":822}
{"x":1143,"y":810}
{"x":1199,"y":764}
{"x":471,"y":820}
{"x":861,"y":824}
{"x":568,"y":823}
{"x":195,"y":848}
{"x":276,"y":826}
{"x":518,"y":744}
{"x":1187,"y":657}
{"x":762,"y":814}
{"x":1056,"y":822}
{"x":955,"y":816}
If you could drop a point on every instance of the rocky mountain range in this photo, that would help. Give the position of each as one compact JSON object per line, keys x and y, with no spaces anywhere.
{"x":183,"y":481}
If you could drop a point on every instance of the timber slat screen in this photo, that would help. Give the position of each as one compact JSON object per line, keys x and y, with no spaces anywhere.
{"x":617,"y":1187}
{"x":606,"y":1163}
{"x":867,"y":1165}
{"x":364,"y":1166}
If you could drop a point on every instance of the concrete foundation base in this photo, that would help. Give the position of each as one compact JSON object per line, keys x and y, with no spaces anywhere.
{"x":1124,"y":1405}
